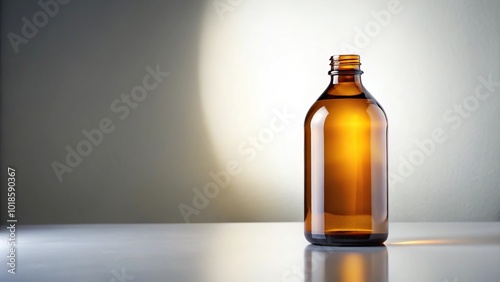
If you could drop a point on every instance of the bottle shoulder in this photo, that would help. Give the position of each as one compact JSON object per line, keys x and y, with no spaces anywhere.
{"x":345,"y":90}
{"x":361,"y":106}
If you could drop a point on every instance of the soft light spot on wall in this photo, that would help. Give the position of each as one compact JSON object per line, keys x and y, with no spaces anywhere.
{"x":264,"y":56}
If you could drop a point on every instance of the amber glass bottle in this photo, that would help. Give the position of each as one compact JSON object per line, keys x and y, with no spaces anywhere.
{"x":346,"y":162}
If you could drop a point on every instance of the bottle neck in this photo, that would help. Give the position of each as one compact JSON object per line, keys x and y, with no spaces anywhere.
{"x":345,"y":69}
{"x":346,"y":78}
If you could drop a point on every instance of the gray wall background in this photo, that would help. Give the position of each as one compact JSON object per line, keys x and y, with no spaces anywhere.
{"x":232,"y":65}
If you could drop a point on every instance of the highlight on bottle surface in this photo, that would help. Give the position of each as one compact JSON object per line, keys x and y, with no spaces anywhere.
{"x":346,"y":195}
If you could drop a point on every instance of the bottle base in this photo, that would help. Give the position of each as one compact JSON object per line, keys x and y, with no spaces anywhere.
{"x":347,"y":239}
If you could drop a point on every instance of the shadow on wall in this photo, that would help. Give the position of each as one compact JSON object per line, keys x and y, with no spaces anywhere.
{"x":101,"y":111}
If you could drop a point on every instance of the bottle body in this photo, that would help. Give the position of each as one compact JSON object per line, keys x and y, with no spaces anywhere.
{"x":346,"y":201}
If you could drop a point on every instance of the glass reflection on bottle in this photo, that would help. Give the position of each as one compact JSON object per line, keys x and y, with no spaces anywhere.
{"x":345,"y":264}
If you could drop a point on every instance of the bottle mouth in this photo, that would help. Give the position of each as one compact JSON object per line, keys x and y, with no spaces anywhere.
{"x":345,"y":64}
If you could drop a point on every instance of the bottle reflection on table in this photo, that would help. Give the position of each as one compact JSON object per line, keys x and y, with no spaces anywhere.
{"x":345,"y":264}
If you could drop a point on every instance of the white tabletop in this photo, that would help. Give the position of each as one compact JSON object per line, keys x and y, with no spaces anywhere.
{"x":452,"y":252}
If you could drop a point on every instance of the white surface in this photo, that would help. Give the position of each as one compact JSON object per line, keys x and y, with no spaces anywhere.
{"x":454,"y":252}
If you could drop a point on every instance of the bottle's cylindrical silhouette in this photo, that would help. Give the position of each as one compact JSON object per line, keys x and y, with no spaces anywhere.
{"x":346,"y":162}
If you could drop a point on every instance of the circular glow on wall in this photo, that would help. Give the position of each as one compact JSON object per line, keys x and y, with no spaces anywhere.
{"x":259,"y":59}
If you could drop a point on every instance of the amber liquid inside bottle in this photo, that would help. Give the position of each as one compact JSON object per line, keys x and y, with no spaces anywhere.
{"x":346,"y":162}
